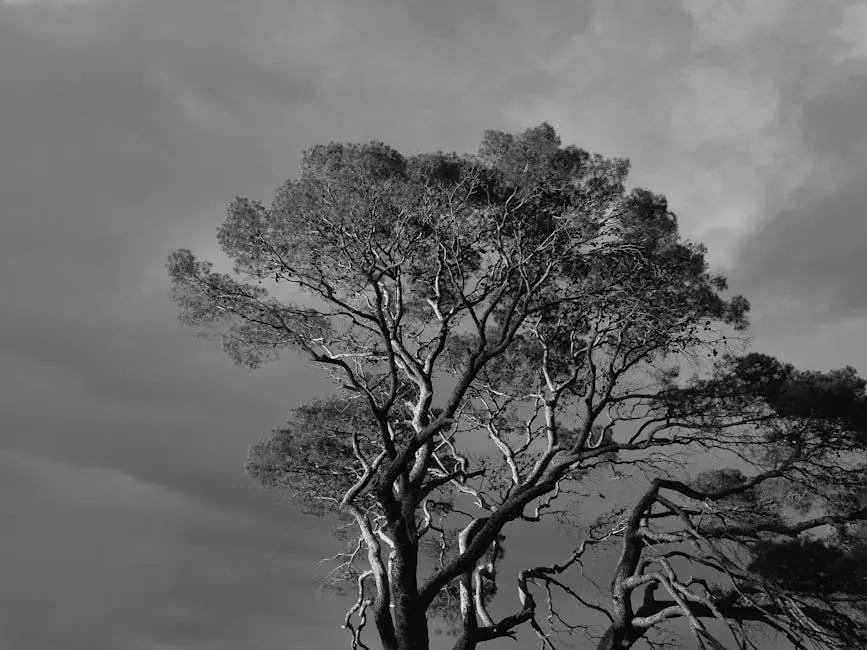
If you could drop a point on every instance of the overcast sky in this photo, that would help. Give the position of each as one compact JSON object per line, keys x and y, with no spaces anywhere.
{"x":126,"y":126}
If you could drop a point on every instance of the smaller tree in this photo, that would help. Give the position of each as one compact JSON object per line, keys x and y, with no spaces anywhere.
{"x":778,"y":547}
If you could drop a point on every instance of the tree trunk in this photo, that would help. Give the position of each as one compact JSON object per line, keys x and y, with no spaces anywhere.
{"x":411,"y":629}
{"x":410,"y":619}
{"x":619,"y":638}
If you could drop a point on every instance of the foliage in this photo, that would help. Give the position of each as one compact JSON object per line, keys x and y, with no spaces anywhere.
{"x":812,"y":566}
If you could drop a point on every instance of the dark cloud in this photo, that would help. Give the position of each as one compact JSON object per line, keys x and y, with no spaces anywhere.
{"x":815,"y":250}
{"x":806,"y":262}
{"x":104,"y":560}
{"x":834,"y":123}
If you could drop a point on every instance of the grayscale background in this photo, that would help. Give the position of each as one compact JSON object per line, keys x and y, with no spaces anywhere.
{"x":126,"y":126}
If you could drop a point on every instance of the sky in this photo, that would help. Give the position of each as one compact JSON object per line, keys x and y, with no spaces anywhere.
{"x":126,"y":127}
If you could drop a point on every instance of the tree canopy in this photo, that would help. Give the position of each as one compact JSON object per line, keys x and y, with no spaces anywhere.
{"x":503,"y":328}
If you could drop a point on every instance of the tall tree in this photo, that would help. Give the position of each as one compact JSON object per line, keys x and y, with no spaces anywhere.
{"x":500,"y":326}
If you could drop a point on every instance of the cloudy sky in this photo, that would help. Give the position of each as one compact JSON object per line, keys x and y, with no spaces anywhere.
{"x":127,"y":125}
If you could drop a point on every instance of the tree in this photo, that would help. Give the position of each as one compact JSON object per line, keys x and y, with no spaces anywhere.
{"x":743,"y":540}
{"x":502,"y":328}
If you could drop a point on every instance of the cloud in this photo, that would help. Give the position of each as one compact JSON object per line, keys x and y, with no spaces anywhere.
{"x":730,"y":23}
{"x":105,"y":560}
{"x":51,"y":3}
{"x":93,"y":488}
{"x":853,"y":28}
{"x":805,"y":261}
